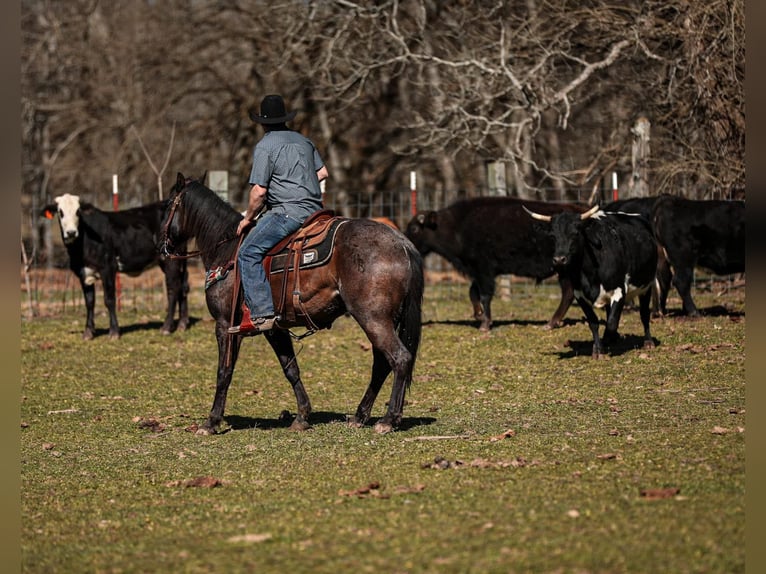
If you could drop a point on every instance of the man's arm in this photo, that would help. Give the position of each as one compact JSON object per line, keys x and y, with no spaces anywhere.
{"x":255,"y":203}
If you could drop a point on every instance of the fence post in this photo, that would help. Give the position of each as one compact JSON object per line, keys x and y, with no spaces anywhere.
{"x":615,"y":189}
{"x":413,"y":194}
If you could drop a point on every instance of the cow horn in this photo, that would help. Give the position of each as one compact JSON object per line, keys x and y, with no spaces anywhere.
{"x":537,"y":215}
{"x":590,"y":212}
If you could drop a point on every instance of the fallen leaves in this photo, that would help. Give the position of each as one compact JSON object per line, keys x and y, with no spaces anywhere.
{"x":507,"y":434}
{"x":250,"y":538}
{"x":197,"y":482}
{"x":151,"y":423}
{"x":723,"y":430}
{"x":697,"y":349}
{"x":374,"y":490}
{"x":659,"y":493}
{"x":441,"y":463}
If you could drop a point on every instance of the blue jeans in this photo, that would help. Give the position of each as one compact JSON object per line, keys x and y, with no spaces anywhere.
{"x":270,"y":229}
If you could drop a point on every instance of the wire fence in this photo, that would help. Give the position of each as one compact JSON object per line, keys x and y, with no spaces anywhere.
{"x":51,"y":291}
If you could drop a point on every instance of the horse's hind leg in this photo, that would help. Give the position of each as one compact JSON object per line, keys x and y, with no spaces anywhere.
{"x":389,"y":354}
{"x":283,"y":348}
{"x":380,"y":370}
{"x":402,"y":361}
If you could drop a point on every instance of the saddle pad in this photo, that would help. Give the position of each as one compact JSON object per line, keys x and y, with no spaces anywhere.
{"x":313,"y":256}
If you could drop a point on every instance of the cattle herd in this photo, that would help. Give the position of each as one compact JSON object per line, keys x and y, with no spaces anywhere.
{"x":602,"y":256}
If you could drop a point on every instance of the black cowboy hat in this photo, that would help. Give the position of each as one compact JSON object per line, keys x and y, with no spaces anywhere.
{"x":272,"y":111}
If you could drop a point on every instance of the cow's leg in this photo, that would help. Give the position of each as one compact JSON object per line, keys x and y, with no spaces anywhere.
{"x":664,"y":281}
{"x":475,"y":296}
{"x":567,"y":296}
{"x":592,"y":318}
{"x":108,"y":281}
{"x":645,"y":310}
{"x":89,"y":294}
{"x":380,"y":370}
{"x":176,"y":286}
{"x":683,"y":282}
{"x":485,"y":287}
{"x":283,"y":348}
{"x":613,"y":314}
{"x":183,"y":300}
{"x":228,"y":351}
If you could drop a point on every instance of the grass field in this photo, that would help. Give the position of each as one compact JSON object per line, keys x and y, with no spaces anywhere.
{"x":517,"y":453}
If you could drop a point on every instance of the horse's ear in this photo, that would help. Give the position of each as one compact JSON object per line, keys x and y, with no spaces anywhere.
{"x":203,"y":178}
{"x":431,"y":219}
{"x":180,"y":181}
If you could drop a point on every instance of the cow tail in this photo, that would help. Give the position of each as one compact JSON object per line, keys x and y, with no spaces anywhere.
{"x":411,"y":320}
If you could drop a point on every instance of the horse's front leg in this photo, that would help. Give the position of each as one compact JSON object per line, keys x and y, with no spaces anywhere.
{"x":228,"y":351}
{"x":283,"y":348}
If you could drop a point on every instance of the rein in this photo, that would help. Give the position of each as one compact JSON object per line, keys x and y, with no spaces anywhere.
{"x":173,"y":207}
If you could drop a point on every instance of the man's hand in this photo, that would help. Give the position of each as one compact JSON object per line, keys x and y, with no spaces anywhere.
{"x":244,"y":224}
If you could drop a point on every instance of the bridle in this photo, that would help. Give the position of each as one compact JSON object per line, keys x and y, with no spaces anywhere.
{"x":164,"y":231}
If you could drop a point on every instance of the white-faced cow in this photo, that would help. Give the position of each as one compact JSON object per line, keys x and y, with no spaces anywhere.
{"x":489,"y":236}
{"x":101,"y":243}
{"x":607,"y":257}
{"x":704,"y":233}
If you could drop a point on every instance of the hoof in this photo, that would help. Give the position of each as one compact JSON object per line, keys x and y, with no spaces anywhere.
{"x":383,"y":428}
{"x":204,"y":431}
{"x":87,"y":336}
{"x":299,"y":425}
{"x":114,"y":336}
{"x":165,"y":332}
{"x":354,"y":423}
{"x":648,"y":344}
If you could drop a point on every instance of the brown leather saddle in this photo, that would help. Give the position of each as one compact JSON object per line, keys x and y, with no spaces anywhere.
{"x":309,"y":247}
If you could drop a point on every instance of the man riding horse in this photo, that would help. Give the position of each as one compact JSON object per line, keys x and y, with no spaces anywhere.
{"x":285,"y":176}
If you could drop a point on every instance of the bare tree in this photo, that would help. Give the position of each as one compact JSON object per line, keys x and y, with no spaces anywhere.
{"x":549,"y":88}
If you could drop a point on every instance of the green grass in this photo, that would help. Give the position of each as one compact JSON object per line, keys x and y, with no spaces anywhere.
{"x":104,"y":491}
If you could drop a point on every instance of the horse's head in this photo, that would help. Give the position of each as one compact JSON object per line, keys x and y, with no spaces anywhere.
{"x":170,"y":228}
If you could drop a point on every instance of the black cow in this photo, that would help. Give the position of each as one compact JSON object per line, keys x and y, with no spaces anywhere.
{"x":101,"y":243}
{"x":490,"y":236}
{"x":704,"y":233}
{"x":644,"y":206}
{"x":608,"y":257}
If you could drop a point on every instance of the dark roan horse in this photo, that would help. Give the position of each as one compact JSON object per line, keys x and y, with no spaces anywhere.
{"x":375,"y":274}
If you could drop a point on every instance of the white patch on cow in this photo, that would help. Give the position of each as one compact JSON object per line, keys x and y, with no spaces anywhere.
{"x":609,"y":297}
{"x":91,"y":275}
{"x":69,"y":220}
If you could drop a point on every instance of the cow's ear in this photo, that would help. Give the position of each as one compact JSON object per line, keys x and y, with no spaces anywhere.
{"x":431,"y":219}
{"x":49,"y":211}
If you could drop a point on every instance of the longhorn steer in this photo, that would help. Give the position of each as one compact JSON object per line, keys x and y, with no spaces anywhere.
{"x":490,"y":236}
{"x":101,"y":243}
{"x":607,"y":257}
{"x":704,"y":233}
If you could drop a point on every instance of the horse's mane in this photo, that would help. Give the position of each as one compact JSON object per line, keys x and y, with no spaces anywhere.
{"x":211,"y":217}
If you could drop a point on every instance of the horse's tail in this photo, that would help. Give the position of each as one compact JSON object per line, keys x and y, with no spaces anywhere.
{"x":411,"y":321}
